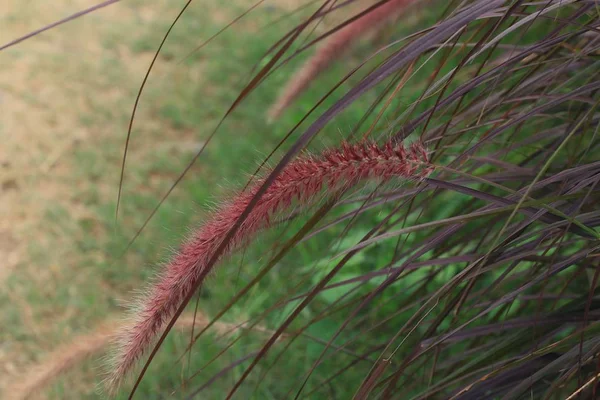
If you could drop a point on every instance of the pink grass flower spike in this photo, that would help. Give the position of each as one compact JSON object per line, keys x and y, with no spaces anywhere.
{"x":333,"y":47}
{"x":299,"y":183}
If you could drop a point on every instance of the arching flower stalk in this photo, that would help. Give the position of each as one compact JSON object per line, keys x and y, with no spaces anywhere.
{"x":300,"y":182}
{"x":334,"y":46}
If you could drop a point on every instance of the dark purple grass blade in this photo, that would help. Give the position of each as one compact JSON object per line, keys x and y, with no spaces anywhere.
{"x":57,"y":23}
{"x":221,"y":374}
{"x":509,"y":325}
{"x":132,"y":118}
{"x":497,"y":384}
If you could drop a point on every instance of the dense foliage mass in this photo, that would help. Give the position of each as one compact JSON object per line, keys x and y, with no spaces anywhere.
{"x":483,"y":280}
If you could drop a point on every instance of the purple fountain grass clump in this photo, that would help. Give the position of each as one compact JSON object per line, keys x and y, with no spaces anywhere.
{"x":300,"y":182}
{"x":333,"y":47}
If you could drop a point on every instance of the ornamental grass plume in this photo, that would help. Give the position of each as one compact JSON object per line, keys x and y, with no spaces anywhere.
{"x":333,"y":47}
{"x":71,"y":354}
{"x":299,"y":182}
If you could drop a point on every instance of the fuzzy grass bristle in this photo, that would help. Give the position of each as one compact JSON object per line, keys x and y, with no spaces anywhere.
{"x":299,"y":182}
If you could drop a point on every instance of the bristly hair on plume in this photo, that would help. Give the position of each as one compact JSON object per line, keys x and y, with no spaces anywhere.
{"x":299,"y":182}
{"x":333,"y":47}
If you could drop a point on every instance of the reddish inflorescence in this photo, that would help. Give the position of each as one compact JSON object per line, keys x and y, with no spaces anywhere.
{"x":299,"y":182}
{"x":332,"y":48}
